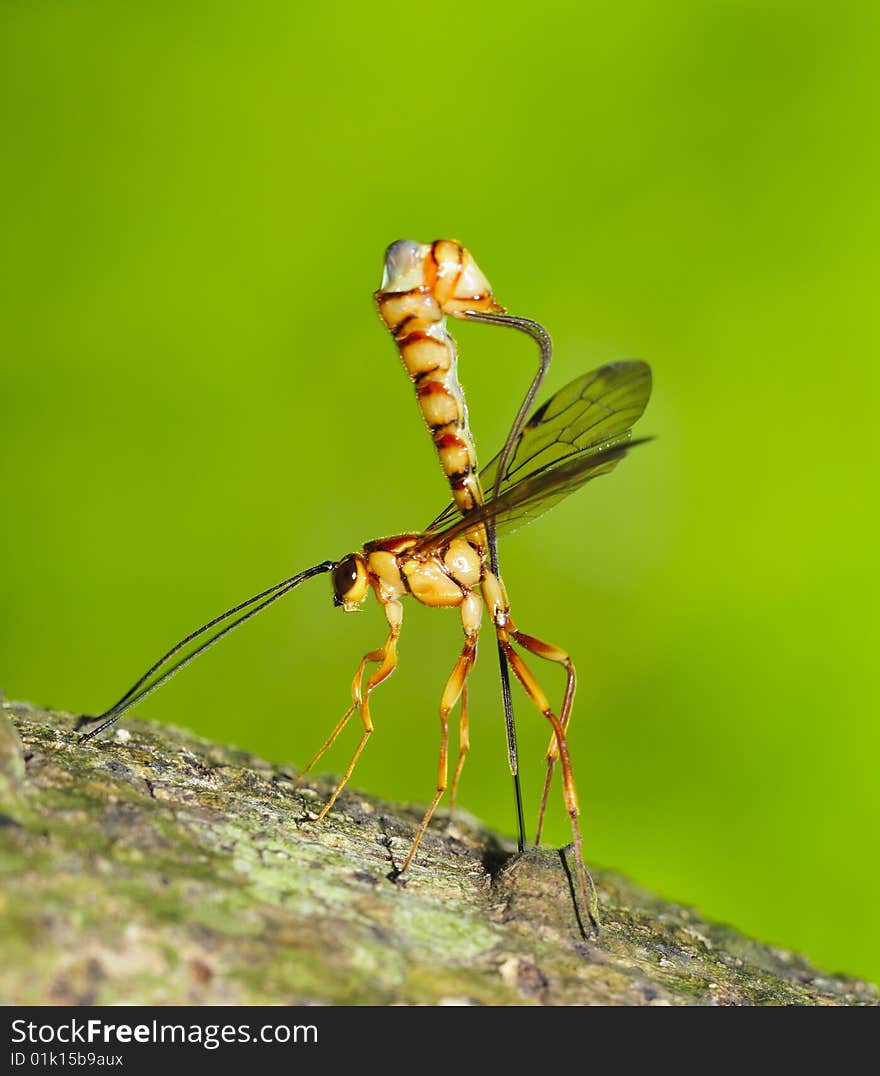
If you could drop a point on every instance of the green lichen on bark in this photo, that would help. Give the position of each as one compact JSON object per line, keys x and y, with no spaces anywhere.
{"x":156,"y":867}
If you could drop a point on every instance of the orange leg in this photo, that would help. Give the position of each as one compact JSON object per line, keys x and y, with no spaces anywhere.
{"x":357,"y":699}
{"x":471,"y":611}
{"x":454,"y":687}
{"x":387,"y":659}
{"x":550,"y":653}
{"x":464,"y":745}
{"x":536,"y":694}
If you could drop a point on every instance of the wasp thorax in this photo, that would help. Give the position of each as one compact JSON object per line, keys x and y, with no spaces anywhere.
{"x":350,"y":582}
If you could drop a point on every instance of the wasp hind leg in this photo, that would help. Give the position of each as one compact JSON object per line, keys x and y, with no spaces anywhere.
{"x":533,"y":689}
{"x":471,"y":612}
{"x":386,"y":657}
{"x":549,"y":652}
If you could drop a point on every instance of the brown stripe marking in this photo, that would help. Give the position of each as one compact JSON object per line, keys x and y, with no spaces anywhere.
{"x":398,"y":329}
{"x":450,"y":440}
{"x":422,"y":374}
{"x":420,"y":336}
{"x":433,"y":388}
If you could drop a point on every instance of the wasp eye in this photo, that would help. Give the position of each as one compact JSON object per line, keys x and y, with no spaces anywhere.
{"x":345,"y":575}
{"x":349,"y":580}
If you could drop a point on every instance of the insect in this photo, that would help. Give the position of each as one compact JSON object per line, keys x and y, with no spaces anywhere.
{"x":580,"y":433}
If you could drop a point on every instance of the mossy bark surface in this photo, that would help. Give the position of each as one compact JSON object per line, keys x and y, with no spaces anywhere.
{"x":155,"y":867}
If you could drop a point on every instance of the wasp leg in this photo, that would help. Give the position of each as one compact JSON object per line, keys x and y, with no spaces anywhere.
{"x":464,"y":745}
{"x":356,"y":696}
{"x":533,"y":689}
{"x":550,"y":653}
{"x":387,"y":658}
{"x":471,"y":612}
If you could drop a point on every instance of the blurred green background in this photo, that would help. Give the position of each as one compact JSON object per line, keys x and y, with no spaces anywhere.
{"x":198,"y":398}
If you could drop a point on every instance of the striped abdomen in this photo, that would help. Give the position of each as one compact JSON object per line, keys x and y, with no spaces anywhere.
{"x":422,"y":284}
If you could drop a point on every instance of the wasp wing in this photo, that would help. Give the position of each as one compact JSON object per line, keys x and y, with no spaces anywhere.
{"x":593,"y":410}
{"x":535,"y":494}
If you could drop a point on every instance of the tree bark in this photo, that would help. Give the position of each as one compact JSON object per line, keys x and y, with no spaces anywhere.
{"x":155,"y":867}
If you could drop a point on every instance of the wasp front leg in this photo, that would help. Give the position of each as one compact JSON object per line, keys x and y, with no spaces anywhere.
{"x":386,"y":657}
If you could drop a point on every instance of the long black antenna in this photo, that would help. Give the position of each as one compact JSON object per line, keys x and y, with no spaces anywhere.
{"x":542,"y":338}
{"x":146,"y":685}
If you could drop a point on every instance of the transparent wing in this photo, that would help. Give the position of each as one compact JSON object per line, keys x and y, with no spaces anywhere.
{"x":593,"y":410}
{"x":535,"y":494}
